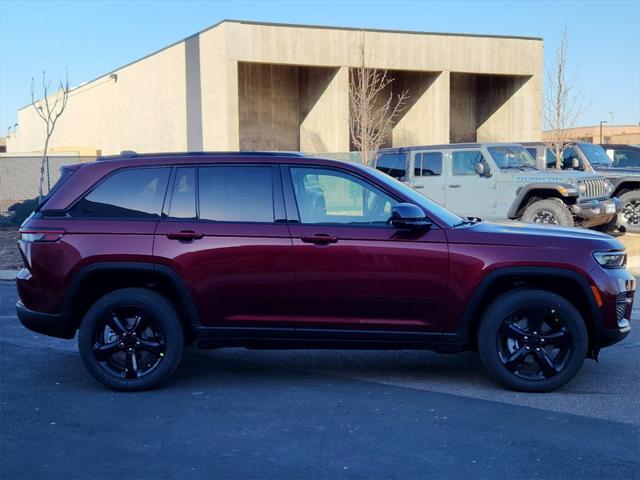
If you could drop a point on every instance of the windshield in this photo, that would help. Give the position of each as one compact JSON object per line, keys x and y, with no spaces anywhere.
{"x":595,"y":154}
{"x":512,"y":156}
{"x":450,"y":218}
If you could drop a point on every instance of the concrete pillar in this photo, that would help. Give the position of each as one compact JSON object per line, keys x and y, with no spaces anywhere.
{"x":324,"y":109}
{"x":425,"y":121}
{"x":504,"y":104}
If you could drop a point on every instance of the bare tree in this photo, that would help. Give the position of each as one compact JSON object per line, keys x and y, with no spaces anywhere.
{"x":49,"y":110}
{"x":563,"y":103}
{"x":370,"y":115}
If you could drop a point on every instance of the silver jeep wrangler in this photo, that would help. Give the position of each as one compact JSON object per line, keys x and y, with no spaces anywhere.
{"x":500,"y":181}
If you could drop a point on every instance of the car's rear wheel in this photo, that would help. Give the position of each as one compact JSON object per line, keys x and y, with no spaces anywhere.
{"x":629,"y":216}
{"x":131,"y":339}
{"x":532,"y":340}
{"x":550,"y":211}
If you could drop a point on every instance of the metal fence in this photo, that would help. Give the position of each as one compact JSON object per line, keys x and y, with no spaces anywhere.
{"x":20,"y":177}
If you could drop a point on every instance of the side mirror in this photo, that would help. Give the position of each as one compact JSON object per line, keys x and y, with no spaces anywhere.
{"x":482,"y":169}
{"x":575,"y":163}
{"x":408,"y":216}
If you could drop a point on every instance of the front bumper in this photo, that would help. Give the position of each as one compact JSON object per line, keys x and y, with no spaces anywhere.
{"x":54,"y":325}
{"x":596,"y":212}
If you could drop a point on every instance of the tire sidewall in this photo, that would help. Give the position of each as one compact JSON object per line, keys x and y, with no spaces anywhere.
{"x":502,"y":308}
{"x":165,"y":317}
{"x":553,"y":205}
{"x":625,"y":198}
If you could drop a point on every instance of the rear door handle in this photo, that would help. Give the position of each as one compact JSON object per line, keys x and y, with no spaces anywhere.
{"x":319,"y":238}
{"x":454,"y":185}
{"x":185,"y":235}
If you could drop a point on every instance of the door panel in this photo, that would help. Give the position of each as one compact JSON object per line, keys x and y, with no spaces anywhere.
{"x":366,"y":276}
{"x":238,"y":273}
{"x":467,"y":193}
{"x":427,"y":176}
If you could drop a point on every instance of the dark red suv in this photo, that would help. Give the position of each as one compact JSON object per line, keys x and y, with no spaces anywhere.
{"x":147,"y":253}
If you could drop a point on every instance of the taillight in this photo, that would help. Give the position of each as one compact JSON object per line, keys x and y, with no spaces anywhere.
{"x":41,"y":235}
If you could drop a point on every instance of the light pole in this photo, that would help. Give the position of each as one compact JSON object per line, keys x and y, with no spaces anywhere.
{"x":611,"y":128}
{"x":601,"y":122}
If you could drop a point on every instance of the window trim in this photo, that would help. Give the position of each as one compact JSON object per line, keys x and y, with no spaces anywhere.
{"x":291,"y":203}
{"x":67,"y":211}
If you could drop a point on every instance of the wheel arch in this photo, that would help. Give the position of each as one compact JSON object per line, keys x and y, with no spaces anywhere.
{"x":566,"y":283}
{"x":625,"y":185}
{"x":97,"y":279}
{"x":528,"y":194}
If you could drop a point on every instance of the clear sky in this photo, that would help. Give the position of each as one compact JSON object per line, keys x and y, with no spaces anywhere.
{"x":93,"y":37}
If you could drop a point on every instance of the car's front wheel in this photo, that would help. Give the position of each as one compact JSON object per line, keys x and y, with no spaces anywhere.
{"x":131,"y":339}
{"x":532,"y":340}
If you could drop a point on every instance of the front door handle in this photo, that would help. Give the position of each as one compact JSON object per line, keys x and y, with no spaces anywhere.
{"x":454,"y":185}
{"x":319,"y":238}
{"x":185,"y":235}
{"x":418,"y":186}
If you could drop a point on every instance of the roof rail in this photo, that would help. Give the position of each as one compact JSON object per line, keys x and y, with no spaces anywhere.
{"x":133,"y":154}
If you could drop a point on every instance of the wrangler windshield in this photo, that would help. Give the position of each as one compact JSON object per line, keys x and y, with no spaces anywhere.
{"x":512,"y":156}
{"x":595,"y":154}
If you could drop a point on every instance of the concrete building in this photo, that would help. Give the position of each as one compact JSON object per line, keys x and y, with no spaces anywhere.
{"x":245,"y":85}
{"x":629,"y":134}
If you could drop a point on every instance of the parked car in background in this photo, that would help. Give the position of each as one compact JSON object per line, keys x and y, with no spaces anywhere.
{"x":623,"y":156}
{"x":499,"y":182}
{"x":145,"y":253}
{"x":590,"y":158}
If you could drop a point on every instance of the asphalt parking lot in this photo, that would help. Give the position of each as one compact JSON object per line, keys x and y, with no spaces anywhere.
{"x":311,"y":414}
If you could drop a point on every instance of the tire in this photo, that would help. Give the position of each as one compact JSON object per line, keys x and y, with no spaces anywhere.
{"x":550,"y":211}
{"x":519,"y":362}
{"x":131,"y":339}
{"x":629,"y":217}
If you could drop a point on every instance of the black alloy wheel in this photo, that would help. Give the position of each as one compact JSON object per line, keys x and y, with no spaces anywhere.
{"x":534,"y":343}
{"x":545,"y":217}
{"x":128,"y":343}
{"x":131,"y":339}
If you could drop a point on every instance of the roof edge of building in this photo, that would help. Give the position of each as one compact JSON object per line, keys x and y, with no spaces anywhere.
{"x":287,"y":25}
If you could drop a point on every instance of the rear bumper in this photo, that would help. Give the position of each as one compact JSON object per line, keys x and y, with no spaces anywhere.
{"x":596,"y":212}
{"x":54,"y":325}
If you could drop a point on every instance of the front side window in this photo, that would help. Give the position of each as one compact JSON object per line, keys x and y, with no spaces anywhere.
{"x":333,"y":197}
{"x":464,"y":162}
{"x":393,"y":164}
{"x":236,"y":194}
{"x":551,"y":158}
{"x":428,"y":164}
{"x":626,"y":158}
{"x":127,"y":194}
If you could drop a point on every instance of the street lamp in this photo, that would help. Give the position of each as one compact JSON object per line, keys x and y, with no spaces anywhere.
{"x":601,"y":122}
{"x":611,"y":128}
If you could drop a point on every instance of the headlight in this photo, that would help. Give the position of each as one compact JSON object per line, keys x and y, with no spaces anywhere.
{"x":582,"y":188}
{"x":611,"y":259}
{"x":608,"y":187}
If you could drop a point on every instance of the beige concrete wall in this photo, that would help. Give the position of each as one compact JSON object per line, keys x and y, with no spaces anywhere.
{"x":144,"y":110}
{"x":324,"y":109}
{"x":425,"y":121}
{"x":148,"y":108}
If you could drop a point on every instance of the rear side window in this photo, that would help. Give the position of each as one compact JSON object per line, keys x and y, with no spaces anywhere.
{"x":183,"y":198}
{"x":236,"y":194}
{"x":393,"y":164}
{"x":428,"y":164}
{"x":464,"y":162}
{"x":127,"y":194}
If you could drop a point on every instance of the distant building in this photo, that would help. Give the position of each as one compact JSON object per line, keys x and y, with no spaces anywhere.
{"x":247,"y":86}
{"x":629,"y":134}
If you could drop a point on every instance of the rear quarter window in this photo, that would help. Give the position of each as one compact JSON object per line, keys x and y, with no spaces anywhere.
{"x":126,"y":194}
